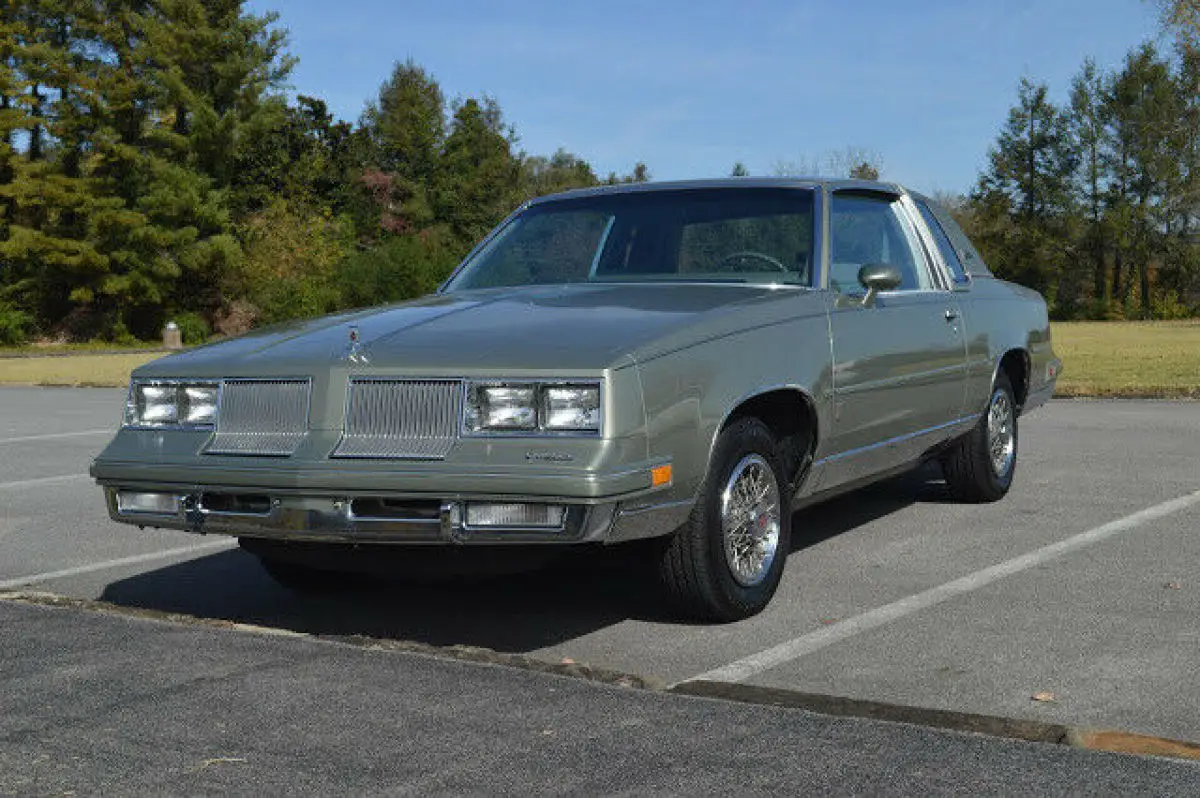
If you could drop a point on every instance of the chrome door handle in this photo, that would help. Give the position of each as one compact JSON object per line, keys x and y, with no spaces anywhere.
{"x":951,"y":314}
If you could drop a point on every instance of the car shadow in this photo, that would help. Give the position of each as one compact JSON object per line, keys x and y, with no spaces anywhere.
{"x":819,"y":522}
{"x":514,"y":613}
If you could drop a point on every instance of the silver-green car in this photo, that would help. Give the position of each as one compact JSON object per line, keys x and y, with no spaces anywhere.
{"x":684,"y":361}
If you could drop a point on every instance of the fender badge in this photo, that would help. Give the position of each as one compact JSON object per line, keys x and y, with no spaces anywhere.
{"x":354,"y":351}
{"x":549,"y":457}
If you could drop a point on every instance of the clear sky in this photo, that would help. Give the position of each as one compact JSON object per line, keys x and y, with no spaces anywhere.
{"x":691,"y":86}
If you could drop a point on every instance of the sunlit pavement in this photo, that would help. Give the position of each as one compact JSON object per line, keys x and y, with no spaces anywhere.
{"x":1071,"y":601}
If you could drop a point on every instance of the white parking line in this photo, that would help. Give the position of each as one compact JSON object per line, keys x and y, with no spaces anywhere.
{"x":53,"y":435}
{"x":33,"y":483}
{"x":793,"y":649}
{"x":138,"y":559}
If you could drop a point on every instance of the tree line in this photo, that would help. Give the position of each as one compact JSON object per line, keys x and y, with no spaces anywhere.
{"x":1096,"y":202}
{"x":152,"y":167}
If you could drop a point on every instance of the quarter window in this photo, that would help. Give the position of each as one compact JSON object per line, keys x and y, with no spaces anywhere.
{"x":949,"y":254}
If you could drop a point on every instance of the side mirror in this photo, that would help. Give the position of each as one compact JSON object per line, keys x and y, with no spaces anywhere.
{"x":876,"y":277}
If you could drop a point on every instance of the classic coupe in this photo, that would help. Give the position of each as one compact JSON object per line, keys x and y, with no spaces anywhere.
{"x":689,"y":361}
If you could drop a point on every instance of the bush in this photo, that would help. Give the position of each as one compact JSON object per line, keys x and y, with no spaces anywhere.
{"x":15,"y":326}
{"x":402,"y":267}
{"x":1169,"y":306}
{"x":193,"y":328}
{"x":290,"y":263}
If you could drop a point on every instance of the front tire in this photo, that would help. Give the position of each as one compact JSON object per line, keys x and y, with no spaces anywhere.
{"x":726,"y":562}
{"x":980,"y":467}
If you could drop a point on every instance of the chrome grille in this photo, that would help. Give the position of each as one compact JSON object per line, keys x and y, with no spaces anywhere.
{"x":403,"y":419}
{"x":261,"y":417}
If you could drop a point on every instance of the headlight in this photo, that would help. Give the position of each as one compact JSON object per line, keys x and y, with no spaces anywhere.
{"x":502,"y":407}
{"x":515,"y":407}
{"x":571,"y":407}
{"x":171,"y":404}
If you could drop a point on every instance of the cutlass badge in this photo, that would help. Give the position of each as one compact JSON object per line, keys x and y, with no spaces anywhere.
{"x":549,"y":457}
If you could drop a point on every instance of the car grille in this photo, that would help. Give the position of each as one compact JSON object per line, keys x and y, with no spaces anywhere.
{"x":401,"y":419}
{"x":261,"y":417}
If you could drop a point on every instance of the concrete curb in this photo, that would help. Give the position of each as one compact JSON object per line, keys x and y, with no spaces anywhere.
{"x":1034,"y":731}
{"x":994,"y":726}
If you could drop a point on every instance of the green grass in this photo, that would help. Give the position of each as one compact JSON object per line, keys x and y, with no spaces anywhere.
{"x":92,"y":347}
{"x":89,"y":370}
{"x":1099,"y":359}
{"x":1155,"y":358}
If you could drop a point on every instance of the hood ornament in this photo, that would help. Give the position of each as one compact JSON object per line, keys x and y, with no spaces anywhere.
{"x":355,"y":353}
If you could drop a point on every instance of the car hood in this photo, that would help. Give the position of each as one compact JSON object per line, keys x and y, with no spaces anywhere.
{"x":536,"y":329}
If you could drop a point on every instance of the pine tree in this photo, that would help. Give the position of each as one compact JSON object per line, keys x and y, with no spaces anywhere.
{"x":478,"y":180}
{"x":1090,"y":136}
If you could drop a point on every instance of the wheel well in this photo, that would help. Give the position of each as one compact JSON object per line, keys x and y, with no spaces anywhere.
{"x":1015,"y":365}
{"x":790,"y":416}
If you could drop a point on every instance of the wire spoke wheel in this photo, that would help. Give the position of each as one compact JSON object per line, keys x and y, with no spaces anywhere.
{"x":1000,"y":434}
{"x":750,"y":526}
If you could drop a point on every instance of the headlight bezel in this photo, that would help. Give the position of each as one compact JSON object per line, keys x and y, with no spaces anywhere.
{"x":179,"y":388}
{"x":471,"y":426}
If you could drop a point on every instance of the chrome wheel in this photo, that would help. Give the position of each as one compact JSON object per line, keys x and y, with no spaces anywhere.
{"x":750,"y":520}
{"x":1001,"y":434}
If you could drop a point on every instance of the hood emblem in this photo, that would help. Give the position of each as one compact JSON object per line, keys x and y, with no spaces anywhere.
{"x":354,"y":351}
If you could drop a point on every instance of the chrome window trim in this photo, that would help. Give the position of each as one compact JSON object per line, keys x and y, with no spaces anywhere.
{"x":935,"y":268}
{"x":952,"y":281}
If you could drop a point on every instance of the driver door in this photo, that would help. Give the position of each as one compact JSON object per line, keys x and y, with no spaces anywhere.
{"x":899,"y":362}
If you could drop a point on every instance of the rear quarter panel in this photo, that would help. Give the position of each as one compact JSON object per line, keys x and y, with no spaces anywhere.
{"x":1002,"y":317}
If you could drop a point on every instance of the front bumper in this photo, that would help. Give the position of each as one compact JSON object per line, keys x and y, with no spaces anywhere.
{"x":303,"y":516}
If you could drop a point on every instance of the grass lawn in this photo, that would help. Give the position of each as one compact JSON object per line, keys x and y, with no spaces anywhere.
{"x":90,"y":370}
{"x":1160,"y":358}
{"x":1099,"y":359}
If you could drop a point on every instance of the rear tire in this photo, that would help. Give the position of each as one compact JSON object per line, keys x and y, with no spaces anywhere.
{"x":726,"y":562}
{"x":980,"y":466}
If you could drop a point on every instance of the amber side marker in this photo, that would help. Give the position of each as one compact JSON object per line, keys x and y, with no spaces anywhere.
{"x":1033,"y":731}
{"x":660,"y":475}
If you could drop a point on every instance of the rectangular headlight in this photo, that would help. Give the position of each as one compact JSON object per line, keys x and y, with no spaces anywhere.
{"x":171,"y":404}
{"x":501,"y":407}
{"x":571,"y":407}
{"x":199,"y":405}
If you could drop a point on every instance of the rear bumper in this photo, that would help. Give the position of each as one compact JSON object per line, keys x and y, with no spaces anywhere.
{"x":1043,"y":392}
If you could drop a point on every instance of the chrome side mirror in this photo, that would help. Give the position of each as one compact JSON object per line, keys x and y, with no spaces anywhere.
{"x":876,"y":277}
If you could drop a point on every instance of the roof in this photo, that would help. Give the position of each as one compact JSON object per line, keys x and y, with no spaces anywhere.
{"x":832,"y":183}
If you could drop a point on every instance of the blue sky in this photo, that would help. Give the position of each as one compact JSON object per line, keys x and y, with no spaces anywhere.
{"x":692,"y":87}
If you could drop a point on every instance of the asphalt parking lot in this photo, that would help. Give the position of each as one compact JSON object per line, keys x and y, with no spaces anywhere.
{"x":1074,"y":600}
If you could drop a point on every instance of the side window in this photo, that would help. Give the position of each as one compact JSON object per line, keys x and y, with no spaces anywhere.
{"x":949,"y":254}
{"x":970,"y":259}
{"x":869,"y":229}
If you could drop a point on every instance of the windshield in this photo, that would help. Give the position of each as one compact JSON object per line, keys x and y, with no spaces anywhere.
{"x":744,"y":235}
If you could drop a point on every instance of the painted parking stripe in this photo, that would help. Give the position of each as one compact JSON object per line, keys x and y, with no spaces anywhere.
{"x":51,"y":436}
{"x":137,"y":559}
{"x":793,"y":649}
{"x":33,"y":483}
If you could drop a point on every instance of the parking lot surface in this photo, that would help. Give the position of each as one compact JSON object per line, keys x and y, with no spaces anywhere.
{"x":1073,"y":600}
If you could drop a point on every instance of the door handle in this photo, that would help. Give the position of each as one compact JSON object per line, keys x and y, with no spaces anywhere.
{"x":951,"y":315}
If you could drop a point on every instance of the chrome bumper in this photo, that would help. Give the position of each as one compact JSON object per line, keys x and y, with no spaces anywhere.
{"x":332,"y":519}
